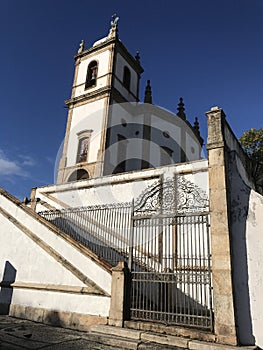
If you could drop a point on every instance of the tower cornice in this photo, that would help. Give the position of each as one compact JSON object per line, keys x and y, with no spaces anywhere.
{"x":88,"y":96}
{"x":121,"y":48}
{"x":95,"y":48}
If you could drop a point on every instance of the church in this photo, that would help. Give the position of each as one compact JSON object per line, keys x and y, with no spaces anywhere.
{"x":141,"y":231}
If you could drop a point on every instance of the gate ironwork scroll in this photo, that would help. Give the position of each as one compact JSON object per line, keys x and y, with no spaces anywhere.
{"x":171,"y":259}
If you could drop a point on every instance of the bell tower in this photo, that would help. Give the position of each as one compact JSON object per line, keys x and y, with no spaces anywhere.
{"x":105,"y":73}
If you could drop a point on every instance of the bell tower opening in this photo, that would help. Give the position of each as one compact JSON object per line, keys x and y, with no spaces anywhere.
{"x":92,"y":73}
{"x":126,"y":77}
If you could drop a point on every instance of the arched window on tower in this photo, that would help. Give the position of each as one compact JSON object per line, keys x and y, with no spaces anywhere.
{"x":92,"y":74}
{"x":83,"y":146}
{"x":126,"y":77}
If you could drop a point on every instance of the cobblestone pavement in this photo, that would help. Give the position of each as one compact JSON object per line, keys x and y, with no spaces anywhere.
{"x":18,"y":334}
{"x":22,"y":334}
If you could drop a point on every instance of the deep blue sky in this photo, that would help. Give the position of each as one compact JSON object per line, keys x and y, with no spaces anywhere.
{"x":208,"y":52}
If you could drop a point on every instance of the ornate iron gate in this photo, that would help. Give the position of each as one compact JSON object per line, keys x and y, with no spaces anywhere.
{"x":171,"y":260}
{"x":165,"y":239}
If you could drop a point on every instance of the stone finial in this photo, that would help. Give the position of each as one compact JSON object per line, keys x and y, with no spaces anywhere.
{"x":114,"y":20}
{"x":197,"y":131}
{"x":81,"y":46}
{"x":181,"y":109}
{"x":114,"y":26}
{"x":137,"y":56}
{"x":148,"y":93}
{"x":196,"y":125}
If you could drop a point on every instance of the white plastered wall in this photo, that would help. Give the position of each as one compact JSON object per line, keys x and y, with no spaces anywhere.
{"x":246,"y":227}
{"x":31,"y":265}
{"x":254,"y":228}
{"x":120,"y":64}
{"x":86,"y":117}
{"x":119,"y":188}
{"x":192,"y":148}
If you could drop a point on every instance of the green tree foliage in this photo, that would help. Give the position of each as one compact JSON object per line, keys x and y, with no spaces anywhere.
{"x":252,"y":143}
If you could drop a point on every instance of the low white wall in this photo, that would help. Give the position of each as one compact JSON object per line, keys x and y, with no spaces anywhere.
{"x":27,"y":264}
{"x":246,"y":234}
{"x":254,"y":230}
{"x":119,"y":188}
{"x":65,"y":302}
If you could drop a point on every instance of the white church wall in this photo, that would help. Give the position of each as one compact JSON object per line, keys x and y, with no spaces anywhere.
{"x":86,"y":117}
{"x":192,"y":148}
{"x":172,"y":140}
{"x":166,"y":126}
{"x":42,"y":266}
{"x":129,"y":121}
{"x":123,"y":123}
{"x":125,"y":93}
{"x":120,"y":64}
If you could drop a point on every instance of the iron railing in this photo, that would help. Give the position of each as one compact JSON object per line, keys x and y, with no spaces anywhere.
{"x":104,"y":229}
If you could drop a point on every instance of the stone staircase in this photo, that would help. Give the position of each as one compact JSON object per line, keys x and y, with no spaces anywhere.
{"x":138,"y":340}
{"x":132,"y":339}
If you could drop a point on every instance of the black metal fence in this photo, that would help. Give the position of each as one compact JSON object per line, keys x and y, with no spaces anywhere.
{"x":104,"y":229}
{"x":169,"y":256}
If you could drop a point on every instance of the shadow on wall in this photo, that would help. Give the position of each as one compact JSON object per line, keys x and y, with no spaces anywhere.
{"x":6,"y":291}
{"x":239,"y":201}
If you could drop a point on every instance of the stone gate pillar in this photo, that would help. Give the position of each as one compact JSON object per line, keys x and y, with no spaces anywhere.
{"x":120,"y":295}
{"x":224,"y":318}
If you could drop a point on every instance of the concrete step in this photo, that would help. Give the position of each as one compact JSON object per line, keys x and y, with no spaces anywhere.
{"x":114,"y":341}
{"x":141,"y":340}
{"x":155,"y":346}
{"x":116,"y":331}
{"x":134,"y":339}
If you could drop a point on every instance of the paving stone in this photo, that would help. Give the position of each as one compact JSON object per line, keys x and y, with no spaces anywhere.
{"x":198,"y":345}
{"x":121,"y":332}
{"x":80,"y":344}
{"x":165,"y":339}
{"x":20,"y":341}
{"x":5,"y":346}
{"x":122,"y":343}
{"x":8,"y":322}
{"x":154,"y":346}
